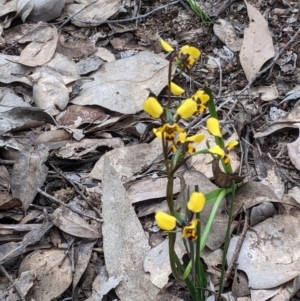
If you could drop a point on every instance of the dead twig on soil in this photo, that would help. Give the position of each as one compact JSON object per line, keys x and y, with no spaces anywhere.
{"x":77,"y":189}
{"x":16,"y":287}
{"x":71,"y":17}
{"x":238,"y":248}
{"x":50,"y":197}
{"x":223,"y":7}
{"x":131,"y":19}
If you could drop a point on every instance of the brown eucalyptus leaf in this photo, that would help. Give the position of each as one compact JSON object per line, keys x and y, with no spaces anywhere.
{"x":29,"y":173}
{"x":93,"y":15}
{"x":82,"y":257}
{"x":8,"y":202}
{"x":225,"y":31}
{"x":23,"y":118}
{"x":8,"y":7}
{"x":294,"y":150}
{"x":11,"y":71}
{"x":73,"y":224}
{"x":41,"y":49}
{"x":40,"y":10}
{"x":223,"y":179}
{"x":53,"y":273}
{"x":257,"y":46}
{"x":124,"y":241}
{"x":49,"y":90}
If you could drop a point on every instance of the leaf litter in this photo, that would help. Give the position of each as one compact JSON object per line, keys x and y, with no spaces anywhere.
{"x":92,"y":129}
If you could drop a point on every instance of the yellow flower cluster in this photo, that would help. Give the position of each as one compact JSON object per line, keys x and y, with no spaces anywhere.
{"x":168,"y":222}
{"x":213,"y":127}
{"x":187,"y":55}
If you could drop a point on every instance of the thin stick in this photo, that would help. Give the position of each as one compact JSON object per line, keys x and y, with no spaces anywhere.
{"x":238,"y":248}
{"x":16,"y":287}
{"x":66,"y":21}
{"x":135,"y":18}
{"x":67,"y":206}
{"x":77,"y":189}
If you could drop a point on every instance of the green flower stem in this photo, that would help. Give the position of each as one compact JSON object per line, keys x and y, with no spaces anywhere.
{"x":227,"y":238}
{"x":205,"y":234}
{"x":173,"y":256}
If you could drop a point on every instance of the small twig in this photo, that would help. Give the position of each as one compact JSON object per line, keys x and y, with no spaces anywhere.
{"x":135,"y":18}
{"x":66,"y":21}
{"x":238,"y":248}
{"x":16,"y":287}
{"x":77,"y":190}
{"x":67,"y":206}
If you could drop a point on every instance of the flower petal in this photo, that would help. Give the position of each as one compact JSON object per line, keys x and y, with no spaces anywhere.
{"x":213,"y":126}
{"x":153,"y":107}
{"x":217,"y":150}
{"x":196,"y":202}
{"x":190,"y":50}
{"x":166,"y":46}
{"x":175,"y":89}
{"x":196,"y":138}
{"x":187,"y":108}
{"x":202,"y":96}
{"x":165,"y":221}
{"x":231,"y":144}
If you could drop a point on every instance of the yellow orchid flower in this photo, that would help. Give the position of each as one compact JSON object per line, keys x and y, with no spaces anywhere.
{"x":213,"y":126}
{"x":184,"y":142}
{"x":175,"y":89}
{"x":187,"y":108}
{"x":196,"y":202}
{"x":165,"y":221}
{"x":166,"y":46}
{"x":217,"y":150}
{"x":153,"y":107}
{"x":201,"y":96}
{"x":188,"y":55}
{"x":189,"y":231}
{"x":169,"y":131}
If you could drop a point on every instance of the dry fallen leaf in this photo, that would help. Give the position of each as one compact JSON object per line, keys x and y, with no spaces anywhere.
{"x":94,"y":14}
{"x":226,"y":33}
{"x":42,"y":48}
{"x":40,"y":10}
{"x":126,"y":91}
{"x":124,"y":242}
{"x":53,"y":273}
{"x":294,"y":150}
{"x":73,"y":224}
{"x":49,"y":91}
{"x":275,"y":246}
{"x":287,"y":122}
{"x":257,"y":46}
{"x":128,"y":160}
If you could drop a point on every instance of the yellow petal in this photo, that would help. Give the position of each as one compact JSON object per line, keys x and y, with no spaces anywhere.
{"x":182,"y":137}
{"x":217,"y":150}
{"x":187,"y":108}
{"x":175,"y":89}
{"x":202,"y":96}
{"x":166,"y":47}
{"x":231,"y":144}
{"x":196,"y":202}
{"x":190,"y":50}
{"x":153,"y":107}
{"x":157,"y":133}
{"x":165,"y":221}
{"x":213,"y":126}
{"x":196,"y":138}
